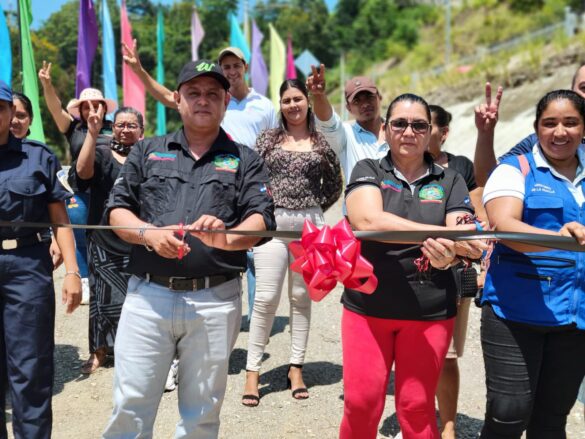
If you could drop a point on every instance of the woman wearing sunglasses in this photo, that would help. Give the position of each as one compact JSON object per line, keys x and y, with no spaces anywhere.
{"x":409,"y":319}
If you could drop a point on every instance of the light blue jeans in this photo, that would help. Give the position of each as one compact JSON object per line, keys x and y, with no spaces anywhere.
{"x":200,"y":329}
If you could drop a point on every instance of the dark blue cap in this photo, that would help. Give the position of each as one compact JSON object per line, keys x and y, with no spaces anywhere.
{"x":5,"y":92}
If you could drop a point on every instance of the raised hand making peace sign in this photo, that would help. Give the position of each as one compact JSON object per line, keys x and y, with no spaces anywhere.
{"x":95,"y":119}
{"x":45,"y":73}
{"x":486,"y":114}
{"x":316,"y":81}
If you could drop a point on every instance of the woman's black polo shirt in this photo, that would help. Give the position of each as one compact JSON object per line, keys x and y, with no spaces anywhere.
{"x":403,"y":292}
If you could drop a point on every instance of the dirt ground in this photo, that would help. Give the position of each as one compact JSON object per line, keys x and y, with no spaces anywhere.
{"x":82,"y":404}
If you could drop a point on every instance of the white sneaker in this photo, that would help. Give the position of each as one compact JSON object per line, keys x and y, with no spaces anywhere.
{"x":84,"y":291}
{"x":173,"y":376}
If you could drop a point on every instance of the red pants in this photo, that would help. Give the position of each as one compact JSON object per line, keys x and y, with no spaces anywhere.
{"x":370,"y":346}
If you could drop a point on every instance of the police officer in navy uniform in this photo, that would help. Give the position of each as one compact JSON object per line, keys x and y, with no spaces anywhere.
{"x":30,"y":191}
{"x":184,"y":296}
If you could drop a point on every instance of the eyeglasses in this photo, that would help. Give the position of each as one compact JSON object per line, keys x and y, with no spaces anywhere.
{"x":130,"y":126}
{"x":418,"y":126}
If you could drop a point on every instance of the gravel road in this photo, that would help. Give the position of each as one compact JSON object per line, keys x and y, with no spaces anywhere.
{"x":83,"y":404}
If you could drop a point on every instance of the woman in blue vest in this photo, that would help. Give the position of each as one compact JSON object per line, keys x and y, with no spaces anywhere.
{"x":533,"y":316}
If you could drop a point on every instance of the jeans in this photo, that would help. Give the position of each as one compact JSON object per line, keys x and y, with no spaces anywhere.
{"x":77,"y":209}
{"x":272,"y":263}
{"x":532,"y":377}
{"x":197,"y":327}
{"x":251,"y":278}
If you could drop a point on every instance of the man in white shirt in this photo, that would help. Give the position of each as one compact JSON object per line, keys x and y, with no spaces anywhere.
{"x":248,"y":112}
{"x":352,"y":141}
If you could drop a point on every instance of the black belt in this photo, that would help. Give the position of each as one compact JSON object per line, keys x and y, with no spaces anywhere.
{"x":24,"y":241}
{"x":189,"y":283}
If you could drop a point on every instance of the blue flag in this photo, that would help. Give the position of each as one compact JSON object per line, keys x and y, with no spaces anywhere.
{"x":161,"y":118}
{"x":108,"y":55}
{"x":237,"y":38}
{"x":5,"y":51}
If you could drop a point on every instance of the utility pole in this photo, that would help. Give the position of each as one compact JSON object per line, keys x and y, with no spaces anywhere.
{"x":447,"y":33}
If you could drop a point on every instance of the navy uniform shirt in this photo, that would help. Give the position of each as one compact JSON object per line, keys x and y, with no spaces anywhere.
{"x":163,"y":184}
{"x":28,"y":183}
{"x":403,"y":292}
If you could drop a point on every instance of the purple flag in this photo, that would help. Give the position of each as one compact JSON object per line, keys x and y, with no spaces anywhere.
{"x":258,"y":70}
{"x":87,"y":41}
{"x":197,"y":34}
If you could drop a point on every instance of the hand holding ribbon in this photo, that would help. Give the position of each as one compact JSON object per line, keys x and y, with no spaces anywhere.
{"x":329,"y":255}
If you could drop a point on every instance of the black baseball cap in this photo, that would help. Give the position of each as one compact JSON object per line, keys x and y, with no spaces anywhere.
{"x":202,"y":67}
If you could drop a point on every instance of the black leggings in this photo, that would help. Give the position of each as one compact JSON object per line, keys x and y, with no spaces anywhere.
{"x":533,"y":375}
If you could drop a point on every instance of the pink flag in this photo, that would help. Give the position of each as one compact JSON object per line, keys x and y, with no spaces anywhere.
{"x":132,"y":86}
{"x":197,"y":34}
{"x":291,"y":71}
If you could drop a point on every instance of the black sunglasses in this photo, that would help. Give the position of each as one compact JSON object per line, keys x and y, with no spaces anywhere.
{"x":418,"y":126}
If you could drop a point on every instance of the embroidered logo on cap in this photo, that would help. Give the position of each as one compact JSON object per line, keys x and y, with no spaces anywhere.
{"x":226,"y":162}
{"x":162,"y":156}
{"x":389,"y":184}
{"x":431,"y":193}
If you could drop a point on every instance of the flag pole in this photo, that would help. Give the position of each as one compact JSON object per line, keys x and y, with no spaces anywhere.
{"x":20,"y":73}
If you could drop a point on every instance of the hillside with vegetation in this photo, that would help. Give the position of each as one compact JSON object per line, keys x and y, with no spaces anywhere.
{"x":400,"y":43}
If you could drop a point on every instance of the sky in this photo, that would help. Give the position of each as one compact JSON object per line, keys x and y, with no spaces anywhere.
{"x":42,"y":9}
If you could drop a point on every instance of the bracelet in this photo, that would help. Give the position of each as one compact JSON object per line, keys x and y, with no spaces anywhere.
{"x":76,"y":273}
{"x":142,"y":238}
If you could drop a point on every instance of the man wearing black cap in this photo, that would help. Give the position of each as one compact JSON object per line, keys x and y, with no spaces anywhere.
{"x":184,"y":296}
{"x":30,"y":192}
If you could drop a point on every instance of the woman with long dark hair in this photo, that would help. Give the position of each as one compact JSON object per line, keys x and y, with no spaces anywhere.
{"x":306,"y":180}
{"x":533,"y":315}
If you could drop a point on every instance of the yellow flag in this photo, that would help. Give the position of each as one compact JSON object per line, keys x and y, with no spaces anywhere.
{"x":277,"y":64}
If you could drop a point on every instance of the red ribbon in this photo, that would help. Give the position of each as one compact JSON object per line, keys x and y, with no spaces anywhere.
{"x":329,"y":255}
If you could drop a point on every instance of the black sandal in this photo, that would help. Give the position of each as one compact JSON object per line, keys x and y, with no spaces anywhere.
{"x":254,"y":400}
{"x":296,"y":392}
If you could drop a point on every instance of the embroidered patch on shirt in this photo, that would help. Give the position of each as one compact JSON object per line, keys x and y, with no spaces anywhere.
{"x":265,"y":189}
{"x":431,"y":193}
{"x":539,"y":187}
{"x":389,"y":184}
{"x":162,"y":156}
{"x":467,"y":200}
{"x":226,"y":162}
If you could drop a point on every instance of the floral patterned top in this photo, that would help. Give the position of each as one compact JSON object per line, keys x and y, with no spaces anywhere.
{"x":301,"y":179}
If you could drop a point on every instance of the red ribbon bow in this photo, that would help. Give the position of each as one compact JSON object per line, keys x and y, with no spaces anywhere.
{"x":329,"y":255}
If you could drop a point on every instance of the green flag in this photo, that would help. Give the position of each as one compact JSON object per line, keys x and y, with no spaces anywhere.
{"x":277,"y":64}
{"x":161,"y":117}
{"x":29,"y":71}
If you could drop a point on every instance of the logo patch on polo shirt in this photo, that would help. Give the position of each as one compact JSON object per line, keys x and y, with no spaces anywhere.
{"x":431,"y":193}
{"x":389,"y":184}
{"x":226,"y":162}
{"x":162,"y":156}
{"x":538,"y":187}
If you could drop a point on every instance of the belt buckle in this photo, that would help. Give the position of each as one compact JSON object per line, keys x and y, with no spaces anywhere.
{"x":170,"y":286}
{"x":9,"y":244}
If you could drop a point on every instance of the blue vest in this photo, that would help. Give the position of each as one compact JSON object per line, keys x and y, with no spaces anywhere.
{"x":540,"y":288}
